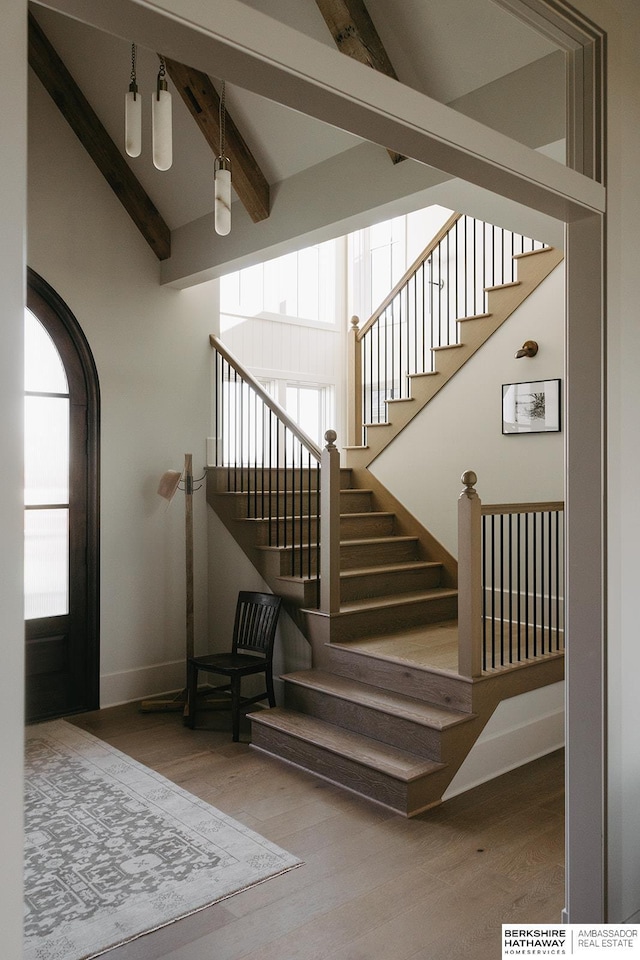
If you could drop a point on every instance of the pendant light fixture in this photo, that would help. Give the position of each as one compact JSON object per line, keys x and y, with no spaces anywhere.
{"x":161,"y":122}
{"x":133,"y":112}
{"x":222,"y":179}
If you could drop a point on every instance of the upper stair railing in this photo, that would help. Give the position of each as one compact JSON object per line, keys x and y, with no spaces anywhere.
{"x":447,"y":282}
{"x":510,"y":582}
{"x":287,"y":484}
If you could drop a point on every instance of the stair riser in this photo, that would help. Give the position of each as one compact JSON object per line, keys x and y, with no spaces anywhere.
{"x":385,"y":620}
{"x":340,"y":770}
{"x":228,"y":479}
{"x":398,"y":677}
{"x":283,"y":532}
{"x":352,"y":556}
{"x":397,"y":731}
{"x":292,"y":531}
{"x":357,"y":555}
{"x":361,"y":527}
{"x":386,"y":584}
{"x":371,"y":586}
{"x":258,"y":503}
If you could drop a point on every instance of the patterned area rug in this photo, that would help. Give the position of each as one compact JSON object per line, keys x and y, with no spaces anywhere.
{"x":114,"y":850}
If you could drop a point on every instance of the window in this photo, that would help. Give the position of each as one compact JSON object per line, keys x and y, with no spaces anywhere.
{"x":46,"y":494}
{"x":299,"y":286}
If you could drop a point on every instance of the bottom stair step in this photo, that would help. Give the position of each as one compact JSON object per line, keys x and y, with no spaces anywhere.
{"x":386,"y":774}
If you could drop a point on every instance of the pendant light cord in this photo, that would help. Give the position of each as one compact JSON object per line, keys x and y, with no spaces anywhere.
{"x":132,"y":78}
{"x":222,"y":119}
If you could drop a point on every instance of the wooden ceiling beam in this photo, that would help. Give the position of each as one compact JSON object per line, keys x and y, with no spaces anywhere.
{"x":85,"y":123}
{"x":356,"y":36}
{"x":203,"y":102}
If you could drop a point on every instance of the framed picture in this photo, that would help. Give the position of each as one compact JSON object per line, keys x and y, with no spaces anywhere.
{"x":532,"y":407}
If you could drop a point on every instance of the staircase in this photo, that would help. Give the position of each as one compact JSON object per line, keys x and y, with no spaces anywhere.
{"x":384,"y":711}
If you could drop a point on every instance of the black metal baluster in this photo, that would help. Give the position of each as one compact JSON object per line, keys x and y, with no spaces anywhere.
{"x":510,"y":588}
{"x":493,"y":592}
{"x":542,"y":582}
{"x":519,"y":579}
{"x":484,"y":592}
{"x":558,"y":580}
{"x":277,"y":500}
{"x":526,"y":582}
{"x":535,"y":586}
{"x":501,"y":590}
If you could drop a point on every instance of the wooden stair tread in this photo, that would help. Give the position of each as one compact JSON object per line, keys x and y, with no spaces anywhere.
{"x":418,"y":711}
{"x":395,"y":763}
{"x":397,"y":600}
{"x":401,"y":538}
{"x":532,"y":253}
{"x":368,"y":514}
{"x":474,"y":316}
{"x":368,"y":541}
{"x":503,"y":286}
{"x":399,"y":567}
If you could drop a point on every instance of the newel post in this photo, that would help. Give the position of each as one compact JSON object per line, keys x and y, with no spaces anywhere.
{"x":330,"y":526}
{"x":469,"y":578}
{"x":354,"y":386}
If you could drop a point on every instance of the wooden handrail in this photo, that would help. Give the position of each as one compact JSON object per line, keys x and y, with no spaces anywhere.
{"x":494,"y":509}
{"x":272,"y":404}
{"x":426,"y":253}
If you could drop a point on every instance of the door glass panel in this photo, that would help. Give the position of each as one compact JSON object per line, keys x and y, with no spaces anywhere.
{"x":46,"y":563}
{"x":44,"y":371}
{"x":46,"y":450}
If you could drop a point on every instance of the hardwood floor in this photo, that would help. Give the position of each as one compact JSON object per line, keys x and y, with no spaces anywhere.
{"x":374,"y":885}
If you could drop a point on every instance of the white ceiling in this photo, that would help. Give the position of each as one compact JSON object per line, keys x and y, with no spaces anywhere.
{"x":444,"y":48}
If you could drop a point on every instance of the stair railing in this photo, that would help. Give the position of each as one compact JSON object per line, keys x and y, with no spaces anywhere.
{"x":447,"y":282}
{"x":510,"y":582}
{"x":288,"y":485}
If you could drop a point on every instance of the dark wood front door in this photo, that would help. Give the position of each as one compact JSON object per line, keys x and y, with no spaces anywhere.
{"x":61,"y":510}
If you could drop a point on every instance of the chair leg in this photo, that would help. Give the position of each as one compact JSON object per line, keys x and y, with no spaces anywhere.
{"x":235,"y":707}
{"x":270,"y":691}
{"x":192,"y":694}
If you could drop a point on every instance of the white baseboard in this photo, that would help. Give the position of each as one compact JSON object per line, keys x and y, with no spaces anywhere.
{"x":151,"y":681}
{"x":508,"y":742}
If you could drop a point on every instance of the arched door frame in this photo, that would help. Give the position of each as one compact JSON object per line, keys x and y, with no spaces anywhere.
{"x":64,"y":329}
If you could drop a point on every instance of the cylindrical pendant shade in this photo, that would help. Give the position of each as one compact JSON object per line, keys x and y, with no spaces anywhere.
{"x":161,"y":130}
{"x":133,"y":123}
{"x":222,"y":207}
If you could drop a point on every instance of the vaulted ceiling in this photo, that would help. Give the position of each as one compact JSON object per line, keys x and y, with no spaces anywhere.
{"x":469,"y":54}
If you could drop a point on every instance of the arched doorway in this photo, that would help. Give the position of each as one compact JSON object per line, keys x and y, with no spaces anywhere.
{"x":61,"y":509}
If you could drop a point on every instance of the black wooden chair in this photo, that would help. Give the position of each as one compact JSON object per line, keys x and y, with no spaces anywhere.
{"x":252,"y":652}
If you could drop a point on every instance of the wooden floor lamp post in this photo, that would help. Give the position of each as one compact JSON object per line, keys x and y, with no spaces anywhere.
{"x":169,"y":483}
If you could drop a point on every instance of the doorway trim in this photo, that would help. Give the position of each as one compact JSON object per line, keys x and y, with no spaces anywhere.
{"x":277,"y":62}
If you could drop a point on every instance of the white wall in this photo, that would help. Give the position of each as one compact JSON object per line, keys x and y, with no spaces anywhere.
{"x":461,"y":428}
{"x":13,"y":76}
{"x":152,"y":353}
{"x":521,"y":729}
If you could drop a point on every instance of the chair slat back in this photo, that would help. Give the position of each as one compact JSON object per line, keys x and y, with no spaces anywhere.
{"x":255,"y":624}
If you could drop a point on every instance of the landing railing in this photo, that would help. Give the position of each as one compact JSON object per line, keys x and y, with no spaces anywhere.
{"x":510,"y":582}
{"x":446,"y":283}
{"x":287,"y":483}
